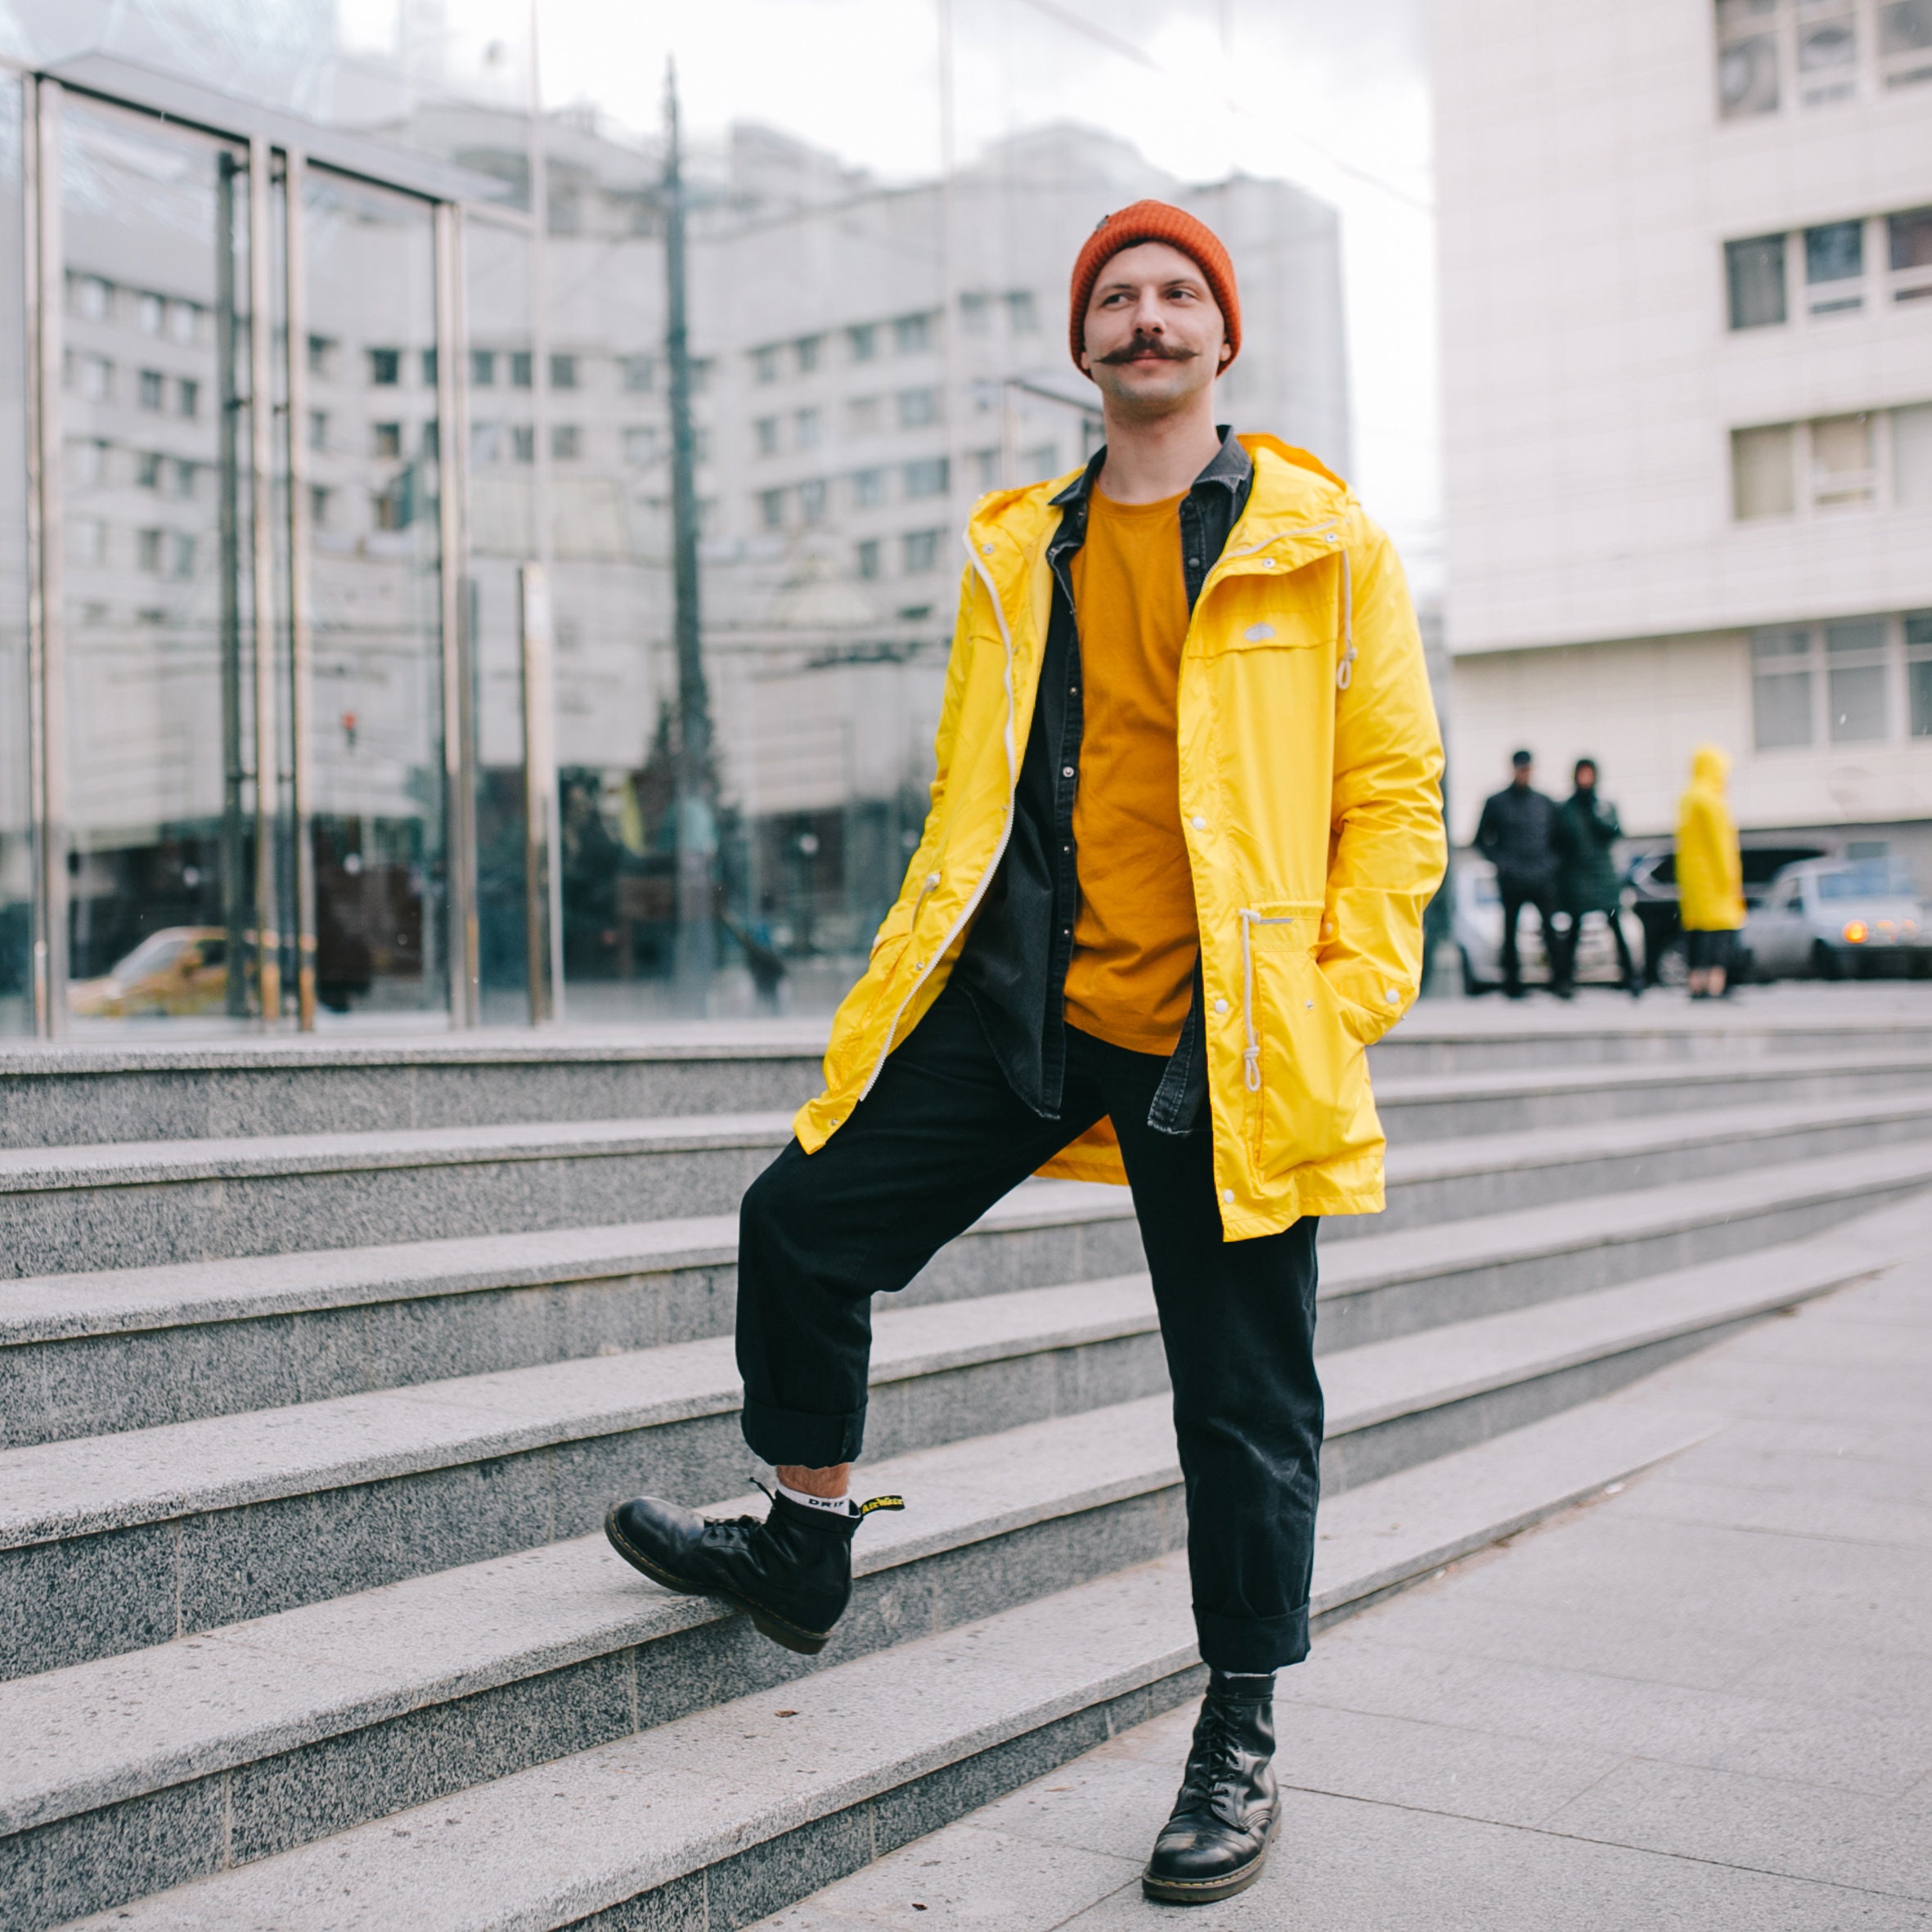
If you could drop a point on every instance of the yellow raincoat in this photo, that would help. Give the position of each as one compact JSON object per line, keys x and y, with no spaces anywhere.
{"x":1709,"y":875}
{"x":1310,"y":767}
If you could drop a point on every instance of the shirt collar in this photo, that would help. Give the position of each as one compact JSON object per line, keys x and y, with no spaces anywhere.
{"x":1230,"y":466}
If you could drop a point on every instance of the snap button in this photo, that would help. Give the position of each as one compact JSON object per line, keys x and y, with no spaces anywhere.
{"x":1198,"y":823}
{"x":1220,"y":1006}
{"x":986,"y":550}
{"x":1227,"y":1193}
{"x":1066,"y":771}
{"x":1391,"y":995}
{"x":1267,"y":562}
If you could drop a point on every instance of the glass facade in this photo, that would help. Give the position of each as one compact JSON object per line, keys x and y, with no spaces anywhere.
{"x":524,"y":653}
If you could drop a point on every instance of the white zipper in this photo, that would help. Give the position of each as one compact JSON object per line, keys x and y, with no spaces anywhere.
{"x":986,"y":878}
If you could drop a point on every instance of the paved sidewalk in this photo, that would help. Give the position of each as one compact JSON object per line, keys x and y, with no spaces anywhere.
{"x":1703,"y":1702}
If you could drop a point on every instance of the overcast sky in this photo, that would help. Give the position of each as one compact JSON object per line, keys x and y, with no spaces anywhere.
{"x":1333,"y":98}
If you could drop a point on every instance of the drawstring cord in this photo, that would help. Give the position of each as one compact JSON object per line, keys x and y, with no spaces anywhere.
{"x":1345,"y":672}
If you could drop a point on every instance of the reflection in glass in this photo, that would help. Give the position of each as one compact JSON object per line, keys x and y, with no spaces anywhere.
{"x":16,"y":844}
{"x":155,"y":500}
{"x":1855,"y":656}
{"x":379,"y":838}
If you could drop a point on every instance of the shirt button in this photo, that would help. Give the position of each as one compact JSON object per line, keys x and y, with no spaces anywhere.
{"x":1198,"y":823}
{"x":1220,"y":1006}
{"x":1066,"y":771}
{"x":1193,"y":563}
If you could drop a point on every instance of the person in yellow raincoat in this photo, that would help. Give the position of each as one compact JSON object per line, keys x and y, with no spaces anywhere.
{"x":1709,"y":874}
{"x":1185,"y":819}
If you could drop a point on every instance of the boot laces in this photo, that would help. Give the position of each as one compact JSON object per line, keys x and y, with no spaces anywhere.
{"x":1212,"y":1778}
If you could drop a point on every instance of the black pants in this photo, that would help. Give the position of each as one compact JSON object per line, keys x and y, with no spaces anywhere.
{"x":1514,"y":898}
{"x":1564,"y":967}
{"x":941,"y":1138}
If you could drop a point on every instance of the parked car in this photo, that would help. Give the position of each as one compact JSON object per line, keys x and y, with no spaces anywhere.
{"x":1827,"y":918}
{"x":1650,"y":881}
{"x":180,"y":969}
{"x":1478,"y":937}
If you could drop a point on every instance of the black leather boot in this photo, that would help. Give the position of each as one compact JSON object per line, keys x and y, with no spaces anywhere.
{"x":1215,"y":1841}
{"x":791,"y":1573}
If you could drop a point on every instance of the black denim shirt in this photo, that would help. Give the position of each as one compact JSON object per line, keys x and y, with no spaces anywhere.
{"x":1014,"y":965}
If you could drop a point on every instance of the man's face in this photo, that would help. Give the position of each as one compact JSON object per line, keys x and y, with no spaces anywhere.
{"x":1155,"y":339}
{"x":1586,"y":777}
{"x":1522,"y":775}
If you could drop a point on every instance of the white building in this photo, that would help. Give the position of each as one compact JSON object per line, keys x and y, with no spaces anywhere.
{"x":1687,"y":303}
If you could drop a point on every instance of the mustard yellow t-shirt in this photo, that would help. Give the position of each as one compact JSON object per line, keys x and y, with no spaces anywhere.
{"x":1135,"y":939}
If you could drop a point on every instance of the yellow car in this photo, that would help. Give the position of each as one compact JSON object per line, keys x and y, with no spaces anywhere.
{"x":180,"y":969}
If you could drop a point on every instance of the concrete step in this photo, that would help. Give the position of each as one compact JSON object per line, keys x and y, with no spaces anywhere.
{"x":139,"y":1348}
{"x":158,"y":1533}
{"x":716,"y":1817}
{"x":148,"y":1204}
{"x":71,"y":1096}
{"x":1435,"y":1106}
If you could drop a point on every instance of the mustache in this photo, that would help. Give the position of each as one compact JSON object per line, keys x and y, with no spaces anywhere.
{"x":1150,"y":345}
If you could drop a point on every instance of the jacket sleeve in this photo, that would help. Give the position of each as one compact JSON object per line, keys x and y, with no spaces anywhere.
{"x":1488,"y":833}
{"x":919,"y":868}
{"x":1386,"y":845}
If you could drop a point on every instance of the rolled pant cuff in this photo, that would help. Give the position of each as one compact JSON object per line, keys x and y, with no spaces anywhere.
{"x":797,"y":1440}
{"x":1252,"y":1644}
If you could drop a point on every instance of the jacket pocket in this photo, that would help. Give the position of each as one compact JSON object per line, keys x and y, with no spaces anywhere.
{"x":1305,"y":1067}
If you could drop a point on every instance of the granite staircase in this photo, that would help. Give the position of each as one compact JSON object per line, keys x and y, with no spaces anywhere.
{"x":320,"y":1363}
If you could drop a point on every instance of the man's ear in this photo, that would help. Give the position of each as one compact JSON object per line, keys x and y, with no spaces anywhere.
{"x":1227,"y":355}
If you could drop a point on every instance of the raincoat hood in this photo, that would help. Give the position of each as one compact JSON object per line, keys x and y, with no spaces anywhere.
{"x":1710,"y":767}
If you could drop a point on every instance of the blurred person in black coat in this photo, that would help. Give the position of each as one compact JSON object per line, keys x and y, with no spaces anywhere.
{"x":1517,"y":834}
{"x":1587,"y":829}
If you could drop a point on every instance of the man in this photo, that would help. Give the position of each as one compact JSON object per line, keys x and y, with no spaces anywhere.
{"x":1587,"y":829}
{"x":1709,"y":874}
{"x":1185,"y":821}
{"x":1517,"y":834}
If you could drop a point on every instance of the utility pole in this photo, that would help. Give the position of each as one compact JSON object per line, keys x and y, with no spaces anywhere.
{"x":697,"y":824}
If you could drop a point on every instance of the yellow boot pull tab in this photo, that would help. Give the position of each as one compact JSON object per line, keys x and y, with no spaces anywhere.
{"x":866,"y":1509}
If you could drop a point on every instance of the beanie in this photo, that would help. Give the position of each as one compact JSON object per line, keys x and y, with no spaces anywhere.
{"x":1155,"y":221}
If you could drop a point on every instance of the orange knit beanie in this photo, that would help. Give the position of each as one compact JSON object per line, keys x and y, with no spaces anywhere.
{"x":1155,"y":221}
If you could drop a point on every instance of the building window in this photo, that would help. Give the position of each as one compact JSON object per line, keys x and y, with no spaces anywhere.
{"x":808,"y":348}
{"x":523,"y":369}
{"x":1905,"y":41}
{"x":811,"y":500}
{"x":765,"y":364}
{"x":635,"y":372}
{"x":985,"y":468}
{"x":1747,"y":59}
{"x":1022,"y":313}
{"x":429,"y":369}
{"x":564,"y":372}
{"x":387,"y":440}
{"x":765,"y":429}
{"x":319,"y":500}
{"x":390,"y":510}
{"x":918,"y":408}
{"x":927,"y":478}
{"x":523,"y":443}
{"x":185,"y":473}
{"x":1918,"y":670}
{"x":1781,"y":688}
{"x":868,"y":488}
{"x":868,"y":556}
{"x":641,"y":448}
{"x":1912,"y":457}
{"x":318,"y":429}
{"x":486,"y":444}
{"x":1754,"y":276}
{"x":92,"y":378}
{"x":322,"y":355}
{"x":432,"y":445}
{"x":385,"y":367}
{"x":1834,"y":267}
{"x":147,"y":468}
{"x":1828,"y":56}
{"x":92,"y":298}
{"x":976,"y":314}
{"x":1909,"y":250}
{"x":147,"y":549}
{"x":771,"y":509}
{"x":1763,"y":480}
{"x":567,"y":442}
{"x":188,"y":398}
{"x":152,"y":388}
{"x":806,"y":427}
{"x":87,"y":541}
{"x":862,"y":416}
{"x":151,"y":314}
{"x":918,"y":551}
{"x":1856,"y":675}
{"x":863,"y":339}
{"x":1844,"y":466}
{"x":911,"y":334}
{"x":483,"y":368}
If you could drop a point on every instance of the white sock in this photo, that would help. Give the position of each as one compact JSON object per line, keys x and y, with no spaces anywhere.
{"x":837,"y":1506}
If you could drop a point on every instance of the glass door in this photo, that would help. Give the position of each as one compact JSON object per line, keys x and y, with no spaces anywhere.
{"x":155,"y":500}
